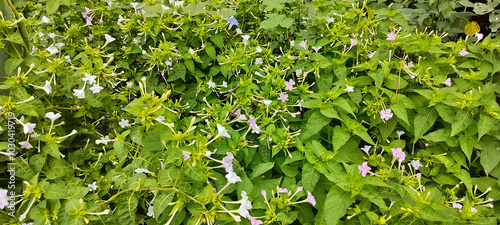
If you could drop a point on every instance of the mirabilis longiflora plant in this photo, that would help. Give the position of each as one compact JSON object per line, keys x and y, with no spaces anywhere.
{"x":194,"y":113}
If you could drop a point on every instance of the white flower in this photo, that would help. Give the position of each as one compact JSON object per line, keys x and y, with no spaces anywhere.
{"x":349,"y":88}
{"x":178,"y":3}
{"x":40,"y":34}
{"x":227,"y":162}
{"x":211,"y":84}
{"x":25,"y":145}
{"x":120,"y":19}
{"x":45,"y":19}
{"x":224,"y":84}
{"x":316,"y":49}
{"x":29,"y":127}
{"x":258,"y":49}
{"x":267,"y":102}
{"x":245,"y":37}
{"x":245,"y":205}
{"x":238,"y":31}
{"x":104,"y":140}
{"x":52,"y":35}
{"x":141,"y":170}
{"x":371,"y":54}
{"x":298,"y":72}
{"x":330,"y":19}
{"x":53,"y":116}
{"x":447,"y":82}
{"x":124,"y":123}
{"x":79,"y":93}
{"x":68,"y":59}
{"x":151,"y":212}
{"x":47,"y":88}
{"x":399,"y":133}
{"x":96,"y":89}
{"x":191,"y":51}
{"x":160,"y":118}
{"x":164,"y":7}
{"x":258,"y":61}
{"x":186,"y":155}
{"x":109,"y":38}
{"x":52,"y":50}
{"x":59,"y":45}
{"x":292,"y":43}
{"x":222,"y":131}
{"x":416,"y":164}
{"x":242,"y":117}
{"x":134,"y":4}
{"x":89,"y":78}
{"x":232,"y":177}
{"x":92,"y":186}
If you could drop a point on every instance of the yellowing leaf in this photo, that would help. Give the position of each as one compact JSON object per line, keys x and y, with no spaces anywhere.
{"x":471,"y":28}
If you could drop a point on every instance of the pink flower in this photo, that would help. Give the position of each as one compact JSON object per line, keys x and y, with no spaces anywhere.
{"x":479,"y":36}
{"x":386,"y":114}
{"x":25,"y":145}
{"x":364,"y":168}
{"x":310,"y":198}
{"x":366,"y":148}
{"x":457,"y":206}
{"x":300,"y":188}
{"x":303,"y":44}
{"x":463,"y":53}
{"x":283,"y":97}
{"x":398,"y":154}
{"x":227,"y":162}
{"x":354,"y":42}
{"x":289,"y":85}
{"x":263,"y":192}
{"x":391,"y":36}
{"x":283,"y":190}
{"x":252,"y":121}
{"x":447,"y":82}
{"x":255,"y":221}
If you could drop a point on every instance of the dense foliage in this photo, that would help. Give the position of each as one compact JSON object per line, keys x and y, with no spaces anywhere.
{"x":270,"y":112}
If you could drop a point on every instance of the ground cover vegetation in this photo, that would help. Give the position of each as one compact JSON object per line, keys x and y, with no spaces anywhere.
{"x":251,"y":112}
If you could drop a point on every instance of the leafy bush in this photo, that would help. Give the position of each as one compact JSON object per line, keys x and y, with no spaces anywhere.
{"x":274,"y":112}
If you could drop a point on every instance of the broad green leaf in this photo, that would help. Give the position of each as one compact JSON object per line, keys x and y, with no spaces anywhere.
{"x":189,"y":65}
{"x":211,"y":51}
{"x":377,"y":76}
{"x":490,"y":154}
{"x":52,"y":6}
{"x":179,"y":71}
{"x":339,"y":138}
{"x":462,"y":120}
{"x":58,"y":168}
{"x":343,"y":104}
{"x":161,"y":202}
{"x":11,"y":65}
{"x":400,"y":112}
{"x":218,"y":40}
{"x":125,"y":210}
{"x":374,"y":197}
{"x":464,"y":177}
{"x":467,"y":144}
{"x":56,"y":191}
{"x":194,"y":172}
{"x":447,"y":113}
{"x":484,"y":125}
{"x":424,"y":120}
{"x":261,"y":169}
{"x":309,"y":177}
{"x":314,"y":124}
{"x":336,"y":204}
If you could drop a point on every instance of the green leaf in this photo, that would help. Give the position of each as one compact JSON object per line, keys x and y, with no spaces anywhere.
{"x":336,"y":204}
{"x":58,"y":168}
{"x":161,"y":202}
{"x":374,"y":197}
{"x":11,"y":65}
{"x":424,"y":121}
{"x":261,"y":169}
{"x":467,"y":144}
{"x":484,"y":125}
{"x":490,"y":154}
{"x":218,"y":40}
{"x":194,"y":172}
{"x":52,"y":6}
{"x":56,"y":191}
{"x":189,"y":65}
{"x":211,"y":52}
{"x":447,"y":113}
{"x":179,"y":71}
{"x":125,"y":210}
{"x":314,"y":124}
{"x":462,"y":120}
{"x":400,"y":112}
{"x":330,"y":112}
{"x":342,"y":103}
{"x":377,"y":76}
{"x":339,"y":138}
{"x":309,"y":177}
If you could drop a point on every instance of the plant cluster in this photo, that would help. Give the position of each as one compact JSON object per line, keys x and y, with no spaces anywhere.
{"x":252,"y":112}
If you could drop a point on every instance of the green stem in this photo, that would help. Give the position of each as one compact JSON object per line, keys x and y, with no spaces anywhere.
{"x":22,"y":27}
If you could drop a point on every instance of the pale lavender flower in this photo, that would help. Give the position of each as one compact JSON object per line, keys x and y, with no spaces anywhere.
{"x":363,"y":169}
{"x":398,"y":154}
{"x":386,"y":115}
{"x":391,"y":36}
{"x":463,"y":53}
